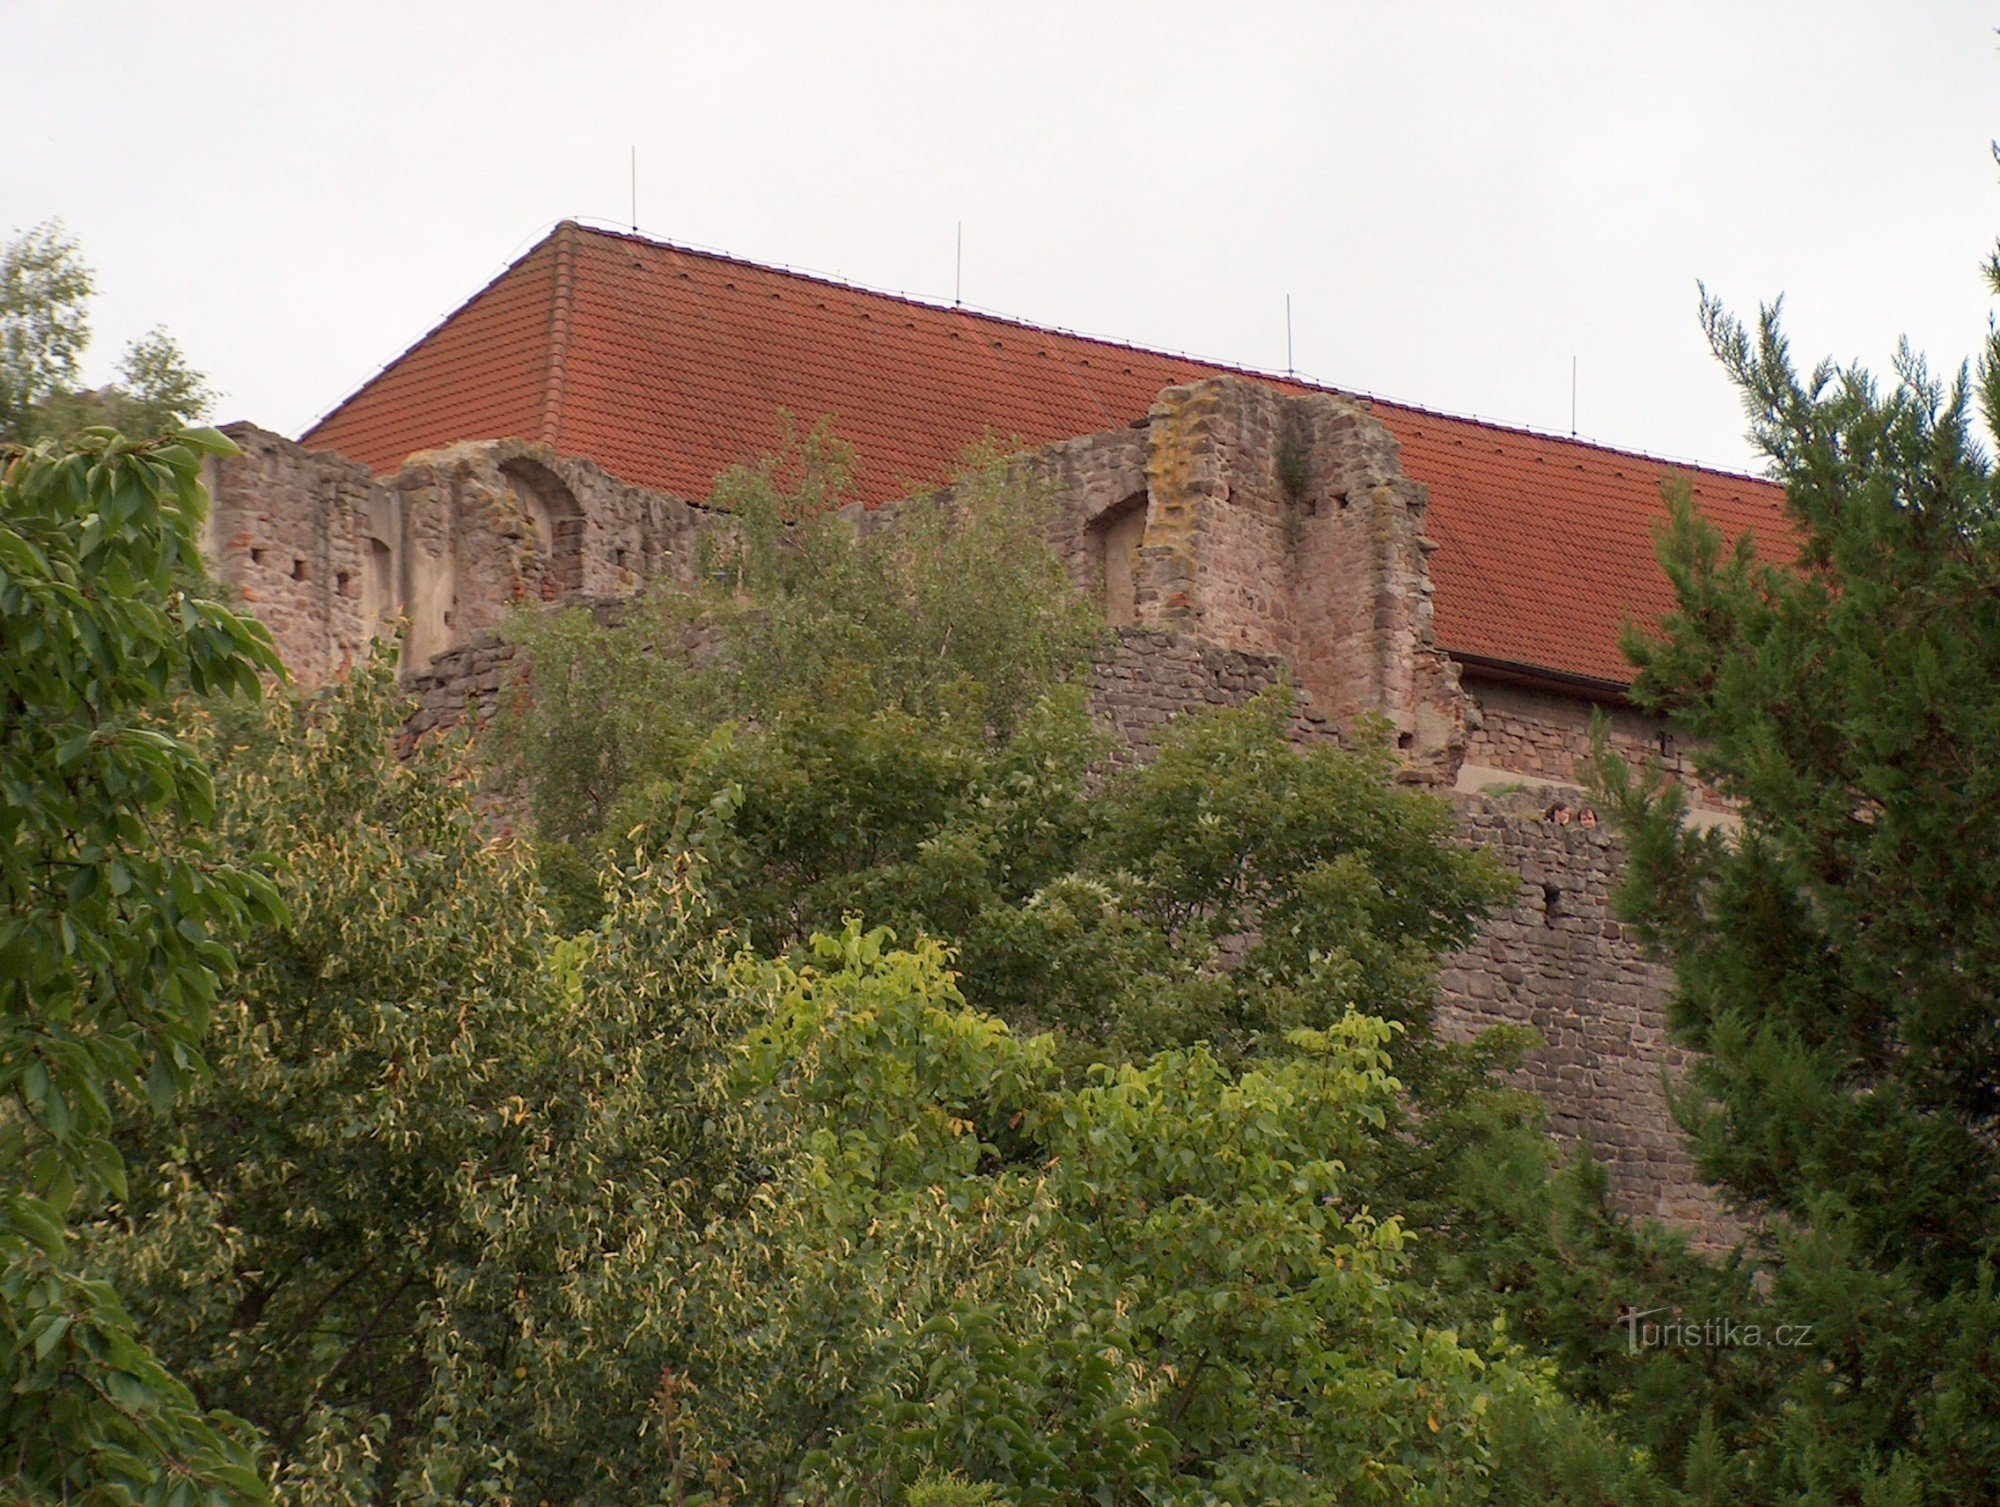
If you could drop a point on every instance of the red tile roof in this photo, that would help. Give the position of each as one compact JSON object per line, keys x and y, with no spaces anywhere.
{"x":666,"y":366}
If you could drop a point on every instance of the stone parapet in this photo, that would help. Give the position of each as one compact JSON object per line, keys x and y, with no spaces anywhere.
{"x":1144,"y":678}
{"x":1544,"y":735}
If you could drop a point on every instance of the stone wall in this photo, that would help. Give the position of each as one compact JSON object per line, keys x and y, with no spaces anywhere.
{"x":1146,"y":677}
{"x":294,"y":533}
{"x":461,"y":688}
{"x":1284,"y":525}
{"x":1254,"y":521}
{"x":1556,"y":960}
{"x":1516,"y":731}
{"x":1140,"y":681}
{"x":1263,"y":524}
{"x":330,"y":556}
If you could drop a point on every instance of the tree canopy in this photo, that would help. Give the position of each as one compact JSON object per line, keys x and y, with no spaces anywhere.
{"x":882,"y":1101}
{"x":861,"y":1090}
{"x":45,"y":292}
{"x":473,"y":1204}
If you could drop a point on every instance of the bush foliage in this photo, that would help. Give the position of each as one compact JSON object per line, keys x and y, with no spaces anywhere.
{"x":114,"y":940}
{"x":888,"y":1105}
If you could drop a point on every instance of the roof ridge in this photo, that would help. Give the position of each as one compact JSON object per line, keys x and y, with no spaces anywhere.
{"x":1598,"y":447}
{"x":561,"y":301}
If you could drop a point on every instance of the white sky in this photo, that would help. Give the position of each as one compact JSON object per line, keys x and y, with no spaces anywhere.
{"x":1459,"y":198}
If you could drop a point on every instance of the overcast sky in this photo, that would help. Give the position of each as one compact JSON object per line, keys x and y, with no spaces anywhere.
{"x":1459,"y":198}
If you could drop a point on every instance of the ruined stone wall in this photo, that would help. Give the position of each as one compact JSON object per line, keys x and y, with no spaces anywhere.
{"x":1553,"y":958}
{"x":330,"y":556}
{"x":1258,"y":522}
{"x":1216,"y":555}
{"x":1556,"y":960}
{"x":1360,"y":568}
{"x":290,"y":531}
{"x":1267,"y":524}
{"x":461,"y":689}
{"x":1140,"y":680}
{"x":1262,"y":538}
{"x":1091,"y":480}
{"x":1146,"y":677}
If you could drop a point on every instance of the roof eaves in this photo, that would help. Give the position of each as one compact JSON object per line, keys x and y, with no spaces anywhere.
{"x":1545,"y":677}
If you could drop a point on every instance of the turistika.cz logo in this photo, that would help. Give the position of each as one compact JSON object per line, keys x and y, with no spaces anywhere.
{"x":1644,"y":1332}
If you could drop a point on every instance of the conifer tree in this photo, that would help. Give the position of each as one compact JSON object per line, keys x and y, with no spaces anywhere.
{"x":1838,"y":958}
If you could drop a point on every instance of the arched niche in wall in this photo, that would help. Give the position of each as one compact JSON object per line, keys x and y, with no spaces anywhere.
{"x":558,"y":520}
{"x":1115,"y":536}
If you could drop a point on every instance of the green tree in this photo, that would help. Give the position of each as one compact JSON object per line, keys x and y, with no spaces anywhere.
{"x":1232,"y":891}
{"x":1162,"y":1284}
{"x":889,"y":721}
{"x":114,"y":942}
{"x":45,"y":289}
{"x":414,"y":1223}
{"x":45,"y":292}
{"x":461,"y":1191}
{"x":1839,"y":959}
{"x":808,"y":616}
{"x":475,"y":1205}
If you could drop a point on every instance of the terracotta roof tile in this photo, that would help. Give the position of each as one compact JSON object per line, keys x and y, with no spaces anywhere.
{"x":667,"y":366}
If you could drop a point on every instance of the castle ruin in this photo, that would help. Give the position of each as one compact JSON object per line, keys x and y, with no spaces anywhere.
{"x":1240,"y":532}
